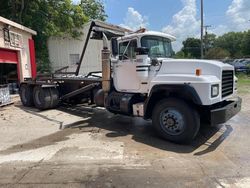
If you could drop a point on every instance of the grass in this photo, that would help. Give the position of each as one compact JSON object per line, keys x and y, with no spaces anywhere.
{"x":243,"y":83}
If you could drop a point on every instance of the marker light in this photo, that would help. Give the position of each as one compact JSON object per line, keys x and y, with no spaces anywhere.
{"x":198,"y":72}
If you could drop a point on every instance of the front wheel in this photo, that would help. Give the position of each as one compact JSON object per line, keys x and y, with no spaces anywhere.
{"x":175,"y":120}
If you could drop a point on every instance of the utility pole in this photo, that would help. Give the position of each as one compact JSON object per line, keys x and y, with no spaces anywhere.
{"x":206,"y":28}
{"x":202,"y":27}
{"x":206,"y":39}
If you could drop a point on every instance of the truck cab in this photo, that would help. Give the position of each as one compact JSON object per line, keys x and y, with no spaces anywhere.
{"x":144,"y":60}
{"x":176,"y":94}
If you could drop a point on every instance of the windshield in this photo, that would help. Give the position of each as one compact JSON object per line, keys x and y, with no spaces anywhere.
{"x":158,"y":46}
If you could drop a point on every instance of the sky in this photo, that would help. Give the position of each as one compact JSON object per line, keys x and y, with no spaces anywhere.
{"x":180,"y":18}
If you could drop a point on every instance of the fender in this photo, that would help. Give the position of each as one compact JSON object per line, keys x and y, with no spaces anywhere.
{"x":158,"y":92}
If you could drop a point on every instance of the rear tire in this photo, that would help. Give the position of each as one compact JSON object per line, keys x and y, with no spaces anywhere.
{"x":175,"y":120}
{"x":42,"y":98}
{"x":26,"y":95}
{"x":54,"y":97}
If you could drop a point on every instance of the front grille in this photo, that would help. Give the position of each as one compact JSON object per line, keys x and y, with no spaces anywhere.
{"x":227,"y":82}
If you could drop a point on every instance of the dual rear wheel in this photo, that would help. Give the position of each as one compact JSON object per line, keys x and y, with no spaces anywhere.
{"x":41,"y":98}
{"x":26,"y":95}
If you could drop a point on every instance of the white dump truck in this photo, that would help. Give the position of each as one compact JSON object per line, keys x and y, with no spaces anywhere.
{"x":140,"y":78}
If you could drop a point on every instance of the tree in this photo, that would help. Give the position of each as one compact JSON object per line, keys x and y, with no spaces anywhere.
{"x":191,"y":47}
{"x":50,"y":18}
{"x":217,"y":53}
{"x":231,"y":42}
{"x":179,"y":55}
{"x":209,"y":41}
{"x":94,"y":9}
{"x":246,"y":44}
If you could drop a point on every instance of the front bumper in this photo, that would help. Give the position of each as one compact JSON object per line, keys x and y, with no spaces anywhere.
{"x":223,"y":113}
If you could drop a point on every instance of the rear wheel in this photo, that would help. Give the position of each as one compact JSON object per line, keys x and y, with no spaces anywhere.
{"x":26,"y":95}
{"x":42,"y":98}
{"x":175,"y":120}
{"x":54,"y":97}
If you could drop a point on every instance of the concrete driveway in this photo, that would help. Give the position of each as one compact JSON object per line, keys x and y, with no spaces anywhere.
{"x":85,"y":147}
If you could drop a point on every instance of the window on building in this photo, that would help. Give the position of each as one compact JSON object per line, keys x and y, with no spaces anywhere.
{"x":74,"y":59}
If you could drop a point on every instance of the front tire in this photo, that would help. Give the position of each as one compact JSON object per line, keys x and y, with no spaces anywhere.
{"x":175,"y":120}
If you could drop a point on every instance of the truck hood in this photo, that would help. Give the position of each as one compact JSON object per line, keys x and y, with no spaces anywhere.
{"x":187,"y":66}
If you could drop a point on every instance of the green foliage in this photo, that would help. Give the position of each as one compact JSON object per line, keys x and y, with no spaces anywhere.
{"x":217,"y":53}
{"x":232,"y":45}
{"x":179,"y":55}
{"x":243,"y":83}
{"x":51,"y":18}
{"x":209,"y":41}
{"x":191,"y":48}
{"x":231,"y":42}
{"x":246,"y":44}
{"x":94,"y":8}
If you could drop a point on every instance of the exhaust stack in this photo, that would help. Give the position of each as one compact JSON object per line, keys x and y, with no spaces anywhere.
{"x":106,"y":67}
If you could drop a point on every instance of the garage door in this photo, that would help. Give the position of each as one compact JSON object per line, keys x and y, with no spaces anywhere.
{"x":8,"y":56}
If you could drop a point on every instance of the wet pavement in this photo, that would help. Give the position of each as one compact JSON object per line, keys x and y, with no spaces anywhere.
{"x":86,"y":147}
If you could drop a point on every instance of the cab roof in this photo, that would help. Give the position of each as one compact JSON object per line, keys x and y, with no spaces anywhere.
{"x":147,"y":33}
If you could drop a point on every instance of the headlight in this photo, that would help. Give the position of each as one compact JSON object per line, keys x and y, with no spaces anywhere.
{"x":215,"y":90}
{"x":235,"y":83}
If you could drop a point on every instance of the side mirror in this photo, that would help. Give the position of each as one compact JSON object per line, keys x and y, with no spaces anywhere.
{"x":154,"y":62}
{"x":142,"y":50}
{"x":114,"y":44}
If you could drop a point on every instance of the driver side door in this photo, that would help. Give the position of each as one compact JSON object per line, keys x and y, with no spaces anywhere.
{"x":125,"y":75}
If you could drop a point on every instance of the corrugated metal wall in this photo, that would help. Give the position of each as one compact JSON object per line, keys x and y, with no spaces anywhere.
{"x":61,"y":48}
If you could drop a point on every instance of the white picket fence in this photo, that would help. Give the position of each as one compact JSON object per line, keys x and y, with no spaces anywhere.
{"x":4,"y":95}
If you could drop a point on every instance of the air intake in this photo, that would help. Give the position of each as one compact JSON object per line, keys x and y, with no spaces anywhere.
{"x":227,"y":82}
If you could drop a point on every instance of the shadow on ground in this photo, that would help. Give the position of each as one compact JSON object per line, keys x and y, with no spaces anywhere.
{"x":119,"y":126}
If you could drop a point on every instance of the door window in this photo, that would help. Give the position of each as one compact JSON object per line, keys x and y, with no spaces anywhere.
{"x":127,"y":49}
